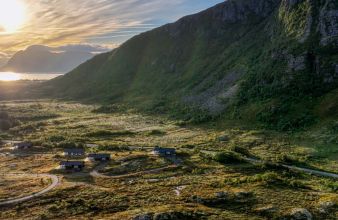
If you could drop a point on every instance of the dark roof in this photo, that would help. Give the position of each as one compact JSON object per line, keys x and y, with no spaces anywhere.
{"x":24,"y":144}
{"x":72,"y":163}
{"x":163,"y":150}
{"x":74,"y":150}
{"x":98,"y":155}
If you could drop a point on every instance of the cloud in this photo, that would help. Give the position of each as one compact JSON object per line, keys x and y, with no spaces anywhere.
{"x":107,"y":22}
{"x":86,"y":48}
{"x":90,"y":48}
{"x":4,"y":55}
{"x":3,"y":58}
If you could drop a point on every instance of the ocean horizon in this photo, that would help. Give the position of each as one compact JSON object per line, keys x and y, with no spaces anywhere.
{"x":14,"y":76}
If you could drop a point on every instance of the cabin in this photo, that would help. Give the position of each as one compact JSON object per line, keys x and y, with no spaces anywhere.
{"x":98,"y":157}
{"x":76,"y":152}
{"x":164,"y":151}
{"x":72,"y":165}
{"x":22,"y":145}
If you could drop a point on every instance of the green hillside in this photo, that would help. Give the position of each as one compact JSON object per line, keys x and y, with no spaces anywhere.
{"x":268,"y":61}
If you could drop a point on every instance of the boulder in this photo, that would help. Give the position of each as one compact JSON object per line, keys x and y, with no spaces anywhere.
{"x":243,"y":195}
{"x":197,"y":199}
{"x":220,"y":198}
{"x":266,"y":210}
{"x":222,"y":195}
{"x":223,"y":138}
{"x":165,"y":216}
{"x":300,"y":214}
{"x":146,"y":216}
{"x":325,"y":207}
{"x":328,"y":25}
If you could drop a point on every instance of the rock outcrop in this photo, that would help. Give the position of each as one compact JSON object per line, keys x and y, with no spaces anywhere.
{"x":328,"y":23}
{"x":300,"y":214}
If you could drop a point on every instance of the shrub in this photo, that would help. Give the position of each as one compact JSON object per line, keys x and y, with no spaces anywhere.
{"x":268,"y":178}
{"x":66,"y":144}
{"x":53,"y":208}
{"x":107,"y":109}
{"x":241,"y":150}
{"x":156,"y":132}
{"x":287,"y":159}
{"x":5,"y":125}
{"x":285,"y":116}
{"x":106,"y":133}
{"x":227,"y":157}
{"x":47,"y":145}
{"x":333,"y":127}
{"x":331,"y":185}
{"x":56,"y":138}
{"x":190,"y":114}
{"x":4,"y":115}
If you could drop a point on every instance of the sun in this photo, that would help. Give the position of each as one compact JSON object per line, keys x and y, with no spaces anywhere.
{"x":12,"y":15}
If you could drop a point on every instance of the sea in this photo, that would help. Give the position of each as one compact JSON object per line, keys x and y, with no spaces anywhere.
{"x":13,"y":76}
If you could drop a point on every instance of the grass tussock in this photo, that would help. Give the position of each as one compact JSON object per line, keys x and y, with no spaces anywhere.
{"x":107,"y":133}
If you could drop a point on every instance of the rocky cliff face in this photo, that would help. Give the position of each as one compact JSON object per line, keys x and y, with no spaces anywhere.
{"x":328,"y":23}
{"x":239,"y":51}
{"x":242,"y":10}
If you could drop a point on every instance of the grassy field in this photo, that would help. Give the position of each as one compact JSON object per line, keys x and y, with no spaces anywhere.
{"x":202,"y":187}
{"x":16,"y":186}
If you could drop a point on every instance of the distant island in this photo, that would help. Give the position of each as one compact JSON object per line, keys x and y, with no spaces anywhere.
{"x":43,"y":59}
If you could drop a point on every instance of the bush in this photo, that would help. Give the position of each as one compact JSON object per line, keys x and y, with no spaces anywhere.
{"x":190,"y":114}
{"x":4,"y":115}
{"x":228,"y":157}
{"x":288,"y":159}
{"x":333,"y":127}
{"x":331,"y":185}
{"x":65,"y":144}
{"x":56,"y":138}
{"x":5,"y":125}
{"x":106,"y":133}
{"x":107,"y":109}
{"x":156,"y":132}
{"x":241,"y":150}
{"x":268,"y":178}
{"x":282,"y":118}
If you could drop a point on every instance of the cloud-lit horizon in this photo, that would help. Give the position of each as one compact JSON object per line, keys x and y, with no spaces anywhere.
{"x":99,"y":22}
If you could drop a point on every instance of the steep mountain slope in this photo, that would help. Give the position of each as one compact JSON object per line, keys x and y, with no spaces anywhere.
{"x":261,"y":59}
{"x":43,"y":59}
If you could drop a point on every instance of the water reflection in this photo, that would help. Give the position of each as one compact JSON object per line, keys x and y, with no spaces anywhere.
{"x":11,"y":76}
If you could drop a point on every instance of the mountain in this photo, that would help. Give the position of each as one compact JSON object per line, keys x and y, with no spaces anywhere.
{"x":39,"y":58}
{"x":272,"y":61}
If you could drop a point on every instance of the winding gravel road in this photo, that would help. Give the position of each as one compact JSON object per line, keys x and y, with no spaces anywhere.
{"x":290,"y":167}
{"x":55,"y":182}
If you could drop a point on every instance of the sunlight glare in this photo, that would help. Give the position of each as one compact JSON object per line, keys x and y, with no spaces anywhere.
{"x":12,"y":15}
{"x":9,"y":76}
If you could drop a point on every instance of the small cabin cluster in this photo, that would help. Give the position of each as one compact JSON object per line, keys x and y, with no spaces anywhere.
{"x":164,"y":152}
{"x":79,"y":152}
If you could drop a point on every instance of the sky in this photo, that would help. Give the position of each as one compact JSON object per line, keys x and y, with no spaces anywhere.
{"x":106,"y":23}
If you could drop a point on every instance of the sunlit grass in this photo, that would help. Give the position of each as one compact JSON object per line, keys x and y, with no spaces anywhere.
{"x":54,"y":124}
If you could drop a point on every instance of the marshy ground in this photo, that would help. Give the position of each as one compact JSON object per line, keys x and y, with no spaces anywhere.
{"x":200,"y":187}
